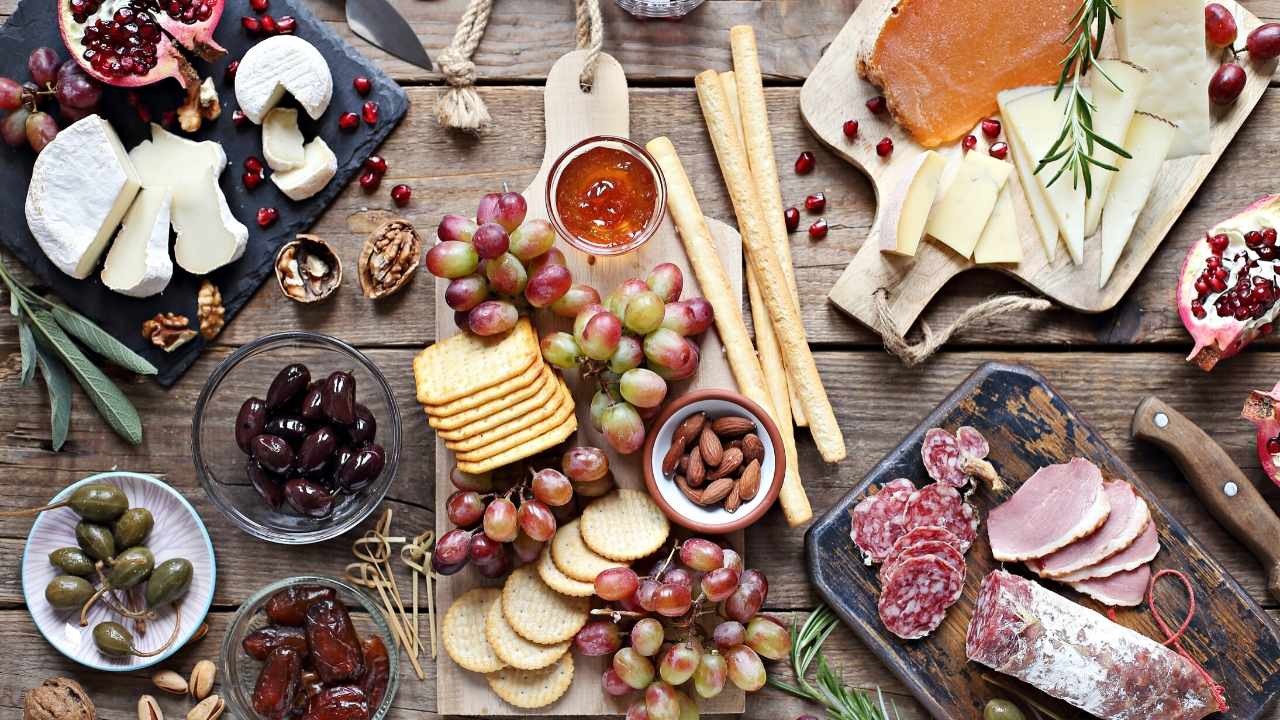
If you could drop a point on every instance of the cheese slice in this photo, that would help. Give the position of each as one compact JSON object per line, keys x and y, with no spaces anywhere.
{"x":318,"y":168}
{"x":138,"y":264}
{"x":908,"y":209}
{"x":1041,"y":213}
{"x":958,"y":218}
{"x":1038,"y":118}
{"x":999,"y":242}
{"x":282,"y":140}
{"x":1167,"y":38}
{"x":1149,"y":141}
{"x":1117,"y":87}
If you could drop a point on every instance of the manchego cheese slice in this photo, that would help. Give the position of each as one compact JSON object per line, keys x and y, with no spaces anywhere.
{"x":907,"y":209}
{"x":957,"y":220}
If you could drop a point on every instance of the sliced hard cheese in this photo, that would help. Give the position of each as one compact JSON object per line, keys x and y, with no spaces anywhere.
{"x":1167,"y":38}
{"x":958,"y":218}
{"x":1148,"y":141}
{"x":277,"y":64}
{"x":999,"y":241}
{"x":908,"y":209}
{"x":318,"y":168}
{"x":282,"y":140}
{"x":1117,"y":87}
{"x":138,"y":264}
{"x":81,"y":186}
{"x":1046,"y":226}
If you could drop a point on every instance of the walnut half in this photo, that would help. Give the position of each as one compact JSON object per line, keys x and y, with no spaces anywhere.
{"x":58,"y":698}
{"x":209,"y":310}
{"x":389,"y":258}
{"x":168,"y":331}
{"x":307,"y":269}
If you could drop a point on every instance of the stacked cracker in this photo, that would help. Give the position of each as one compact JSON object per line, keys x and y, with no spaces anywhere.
{"x":493,"y":400}
{"x":519,"y":636}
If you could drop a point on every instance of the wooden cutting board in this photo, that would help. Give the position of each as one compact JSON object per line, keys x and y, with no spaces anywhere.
{"x":834,"y":93}
{"x":571,"y":116}
{"x":1029,"y":425}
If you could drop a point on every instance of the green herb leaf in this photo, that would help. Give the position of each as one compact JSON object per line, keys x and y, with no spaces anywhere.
{"x":840,"y":701}
{"x":27,"y":345}
{"x":97,"y":340}
{"x":59,"y":386}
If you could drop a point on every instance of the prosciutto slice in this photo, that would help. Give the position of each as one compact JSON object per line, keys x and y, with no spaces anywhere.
{"x":1056,"y":506}
{"x":1124,"y":589}
{"x":1142,"y":551}
{"x":1129,"y":517}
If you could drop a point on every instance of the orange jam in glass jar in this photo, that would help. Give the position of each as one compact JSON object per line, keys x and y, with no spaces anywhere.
{"x":606,"y":195}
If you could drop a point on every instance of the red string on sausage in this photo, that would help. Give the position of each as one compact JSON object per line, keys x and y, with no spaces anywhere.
{"x":1174,"y":638}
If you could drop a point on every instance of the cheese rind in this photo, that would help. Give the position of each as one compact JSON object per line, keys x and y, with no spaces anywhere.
{"x":1116,"y":100}
{"x":999,"y":242}
{"x":1148,"y":141}
{"x":278,"y":64}
{"x":282,"y":140}
{"x":318,"y":168}
{"x":138,"y":263}
{"x":908,"y":209}
{"x":958,"y":218}
{"x":1041,"y":213}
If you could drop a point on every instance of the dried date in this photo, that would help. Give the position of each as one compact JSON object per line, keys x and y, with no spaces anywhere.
{"x":289,"y":606}
{"x":261,"y":642}
{"x":277,"y":683}
{"x":377,"y":671}
{"x":341,"y":702}
{"x":335,"y":648}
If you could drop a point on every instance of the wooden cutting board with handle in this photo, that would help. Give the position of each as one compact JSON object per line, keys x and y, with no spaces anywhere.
{"x":573,"y":115}
{"x":834,"y":93}
{"x":1029,"y":425}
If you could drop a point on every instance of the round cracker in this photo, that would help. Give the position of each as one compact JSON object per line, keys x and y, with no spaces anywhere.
{"x":463,"y":631}
{"x":558,"y":581}
{"x":532,"y":689}
{"x":514,"y":650}
{"x":624,"y":525}
{"x":539,"y":613}
{"x":574,"y":558}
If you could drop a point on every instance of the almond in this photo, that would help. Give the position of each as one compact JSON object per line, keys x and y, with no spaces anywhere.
{"x":709,"y":444}
{"x":696,"y":473}
{"x":732,"y":426}
{"x":752,"y":448}
{"x":201,"y":682}
{"x":730,"y":461}
{"x":749,"y":483}
{"x":690,"y":429}
{"x":734,"y":501}
{"x":208,"y":709}
{"x":149,"y":709}
{"x":682,"y":467}
{"x":170,"y":682}
{"x":692,"y":493}
{"x":674,"y":453}
{"x":717,"y":491}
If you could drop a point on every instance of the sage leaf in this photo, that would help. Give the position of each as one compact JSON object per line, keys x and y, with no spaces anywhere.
{"x":27,"y":345}
{"x":59,"y":385}
{"x":97,"y":340}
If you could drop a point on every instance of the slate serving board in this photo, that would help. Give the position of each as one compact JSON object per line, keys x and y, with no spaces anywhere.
{"x":1029,"y":425}
{"x":34,"y":24}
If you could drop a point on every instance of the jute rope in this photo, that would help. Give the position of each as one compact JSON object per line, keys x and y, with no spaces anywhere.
{"x":461,"y":107}
{"x":912,"y":354}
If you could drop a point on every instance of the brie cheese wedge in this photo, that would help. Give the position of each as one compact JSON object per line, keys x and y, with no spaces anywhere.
{"x":278,"y":64}
{"x":138,"y":263}
{"x":81,"y":186}
{"x":318,"y":168}
{"x":282,"y":140}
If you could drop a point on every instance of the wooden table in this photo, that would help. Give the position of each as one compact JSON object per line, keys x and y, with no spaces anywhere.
{"x":1103,"y":364}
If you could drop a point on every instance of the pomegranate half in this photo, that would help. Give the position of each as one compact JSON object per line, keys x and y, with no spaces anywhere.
{"x":131,"y":43}
{"x":1227,"y":294}
{"x":1261,"y":409}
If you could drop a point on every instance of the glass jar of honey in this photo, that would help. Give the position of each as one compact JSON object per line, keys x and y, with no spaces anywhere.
{"x":606,"y":195}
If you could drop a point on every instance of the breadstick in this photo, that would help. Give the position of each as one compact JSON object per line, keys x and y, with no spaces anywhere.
{"x":773,"y":284}
{"x":758,"y":140}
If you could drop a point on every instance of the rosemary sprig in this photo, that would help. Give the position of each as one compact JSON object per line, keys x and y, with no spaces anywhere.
{"x":827,"y":689}
{"x":1076,"y":141}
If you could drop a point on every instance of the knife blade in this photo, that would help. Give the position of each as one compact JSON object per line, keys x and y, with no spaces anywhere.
{"x":382,"y":25}
{"x":1221,"y":486}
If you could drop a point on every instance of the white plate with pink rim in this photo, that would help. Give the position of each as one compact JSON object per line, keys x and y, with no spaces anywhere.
{"x":178,"y":532}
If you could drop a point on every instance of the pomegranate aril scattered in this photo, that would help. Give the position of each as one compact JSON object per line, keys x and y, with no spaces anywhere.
{"x":1273,"y":445}
{"x":792,"y":216}
{"x":401,"y":194}
{"x":877,"y":105}
{"x":376,"y":163}
{"x":362,"y":84}
{"x":1269,"y":236}
{"x":999,"y":150}
{"x":991,"y":128}
{"x":253,"y":164}
{"x":267,"y":216}
{"x":286,"y":24}
{"x":348,"y":121}
{"x":884,"y":148}
{"x":239,"y":119}
{"x":370,"y":180}
{"x":816,"y":202}
{"x":260,"y":6}
{"x":969,"y":142}
{"x":251,"y":24}
{"x":268,"y":24}
{"x":805,"y":163}
{"x":229,"y":75}
{"x":818,"y":230}
{"x":850,"y":129}
{"x":251,"y":180}
{"x":369,"y":111}
{"x":1218,"y":243}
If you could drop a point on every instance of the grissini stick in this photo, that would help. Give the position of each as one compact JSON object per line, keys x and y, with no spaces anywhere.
{"x":764,"y":261}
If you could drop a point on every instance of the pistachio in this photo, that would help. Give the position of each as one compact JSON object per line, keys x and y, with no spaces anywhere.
{"x":149,"y":709}
{"x":199,"y":634}
{"x":208,"y":709}
{"x":202,"y":676}
{"x":170,"y":682}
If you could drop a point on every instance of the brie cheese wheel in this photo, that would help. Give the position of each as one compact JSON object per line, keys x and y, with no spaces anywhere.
{"x":81,"y":186}
{"x":318,"y":168}
{"x":278,"y":64}
{"x":138,"y":263}
{"x":282,"y":140}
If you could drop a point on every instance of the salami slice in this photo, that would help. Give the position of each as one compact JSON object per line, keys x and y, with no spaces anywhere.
{"x":916,"y":595}
{"x":938,"y":548}
{"x":941,"y":455}
{"x":877,"y":520}
{"x":971,"y":443}
{"x":941,"y":505}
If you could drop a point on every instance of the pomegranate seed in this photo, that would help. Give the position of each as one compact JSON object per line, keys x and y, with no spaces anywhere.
{"x":999,"y":150}
{"x":286,"y":24}
{"x":877,"y":105}
{"x":1198,"y":310}
{"x":1218,"y":243}
{"x":792,"y":216}
{"x":251,"y":180}
{"x":1202,"y":287}
{"x":1273,"y":445}
{"x":267,"y":216}
{"x":970,"y":142}
{"x":348,"y":121}
{"x":884,"y":148}
{"x":260,"y":6}
{"x":362,"y":84}
{"x":1252,"y":239}
{"x":401,"y":194}
{"x":230,"y":74}
{"x":816,"y":203}
{"x":1269,"y":236}
{"x":1266,"y":328}
{"x":369,"y":180}
{"x":268,"y":25}
{"x":239,"y":118}
{"x":850,"y":129}
{"x":818,"y":230}
{"x":369,"y":111}
{"x":253,"y":164}
{"x":376,"y":164}
{"x":991,"y":128}
{"x":251,"y":24}
{"x":805,"y":163}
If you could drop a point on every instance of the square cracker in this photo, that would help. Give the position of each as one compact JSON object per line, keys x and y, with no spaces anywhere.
{"x":548,"y":440}
{"x":488,"y":400}
{"x":467,"y":363}
{"x":496,"y":411}
{"x":530,"y":418}
{"x":563,"y":413}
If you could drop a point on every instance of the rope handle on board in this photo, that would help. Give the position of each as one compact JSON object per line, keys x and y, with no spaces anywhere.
{"x":912,"y":354}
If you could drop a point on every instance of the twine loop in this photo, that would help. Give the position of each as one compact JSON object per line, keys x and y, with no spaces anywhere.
{"x":912,"y":354}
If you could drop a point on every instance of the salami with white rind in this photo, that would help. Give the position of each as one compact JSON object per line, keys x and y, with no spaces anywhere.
{"x":916,"y":595}
{"x":942,"y":505}
{"x":1075,"y":654}
{"x":876,"y":521}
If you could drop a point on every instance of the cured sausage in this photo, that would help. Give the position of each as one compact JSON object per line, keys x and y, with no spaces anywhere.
{"x":940,"y":548}
{"x":941,"y":455}
{"x":876,"y":521}
{"x":915,"y":597}
{"x":941,"y":505}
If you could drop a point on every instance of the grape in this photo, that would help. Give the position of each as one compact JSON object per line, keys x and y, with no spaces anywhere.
{"x":768,"y":638}
{"x":466,"y":292}
{"x":628,"y":356}
{"x":598,"y":638}
{"x":41,"y":129}
{"x":536,"y":520}
{"x":711,"y":675}
{"x":13,"y":129}
{"x":660,"y":701}
{"x":732,"y":560}
{"x":623,"y":428}
{"x":647,"y":636}
{"x":744,"y":603}
{"x":584,"y":315}
{"x":673,"y":600}
{"x":594,"y":489}
{"x":484,"y":548}
{"x":10,"y":94}
{"x":42,"y":64}
{"x":575,"y":300}
{"x":533,"y":242}
{"x":679,"y":576}
{"x":1219,"y":25}
{"x":452,"y":259}
{"x":498,"y":566}
{"x":70,"y":115}
{"x":462,"y":318}
{"x":492,"y":317}
{"x":613,"y":684}
{"x":642,"y":388}
{"x":451,"y":552}
{"x":506,"y":275}
{"x":1226,"y":84}
{"x":729,"y":633}
{"x":621,"y":295}
{"x":490,"y":240}
{"x":647,"y":594}
{"x":547,"y":284}
{"x":1263,"y":41}
{"x":678,"y":664}
{"x":701,"y":554}
{"x":466,"y":481}
{"x":500,"y":520}
{"x":552,"y":487}
{"x":688,"y":317}
{"x":617,"y":583}
{"x":561,"y":350}
{"x":664,"y":347}
{"x":600,"y":335}
{"x":488,"y":209}
{"x":745,"y":668}
{"x":645,"y":312}
{"x":456,"y":228}
{"x":667,"y":281}
{"x":76,"y":90}
{"x":634,"y":668}
{"x":719,"y":584}
{"x":464,"y":508}
{"x":688,"y":708}
{"x":584,"y":463}
{"x":526,"y":548}
{"x":600,"y":402}
{"x":637,"y":711}
{"x":684,"y":371}
{"x":567,"y":512}
{"x":507,"y":210}
{"x":755,"y":579}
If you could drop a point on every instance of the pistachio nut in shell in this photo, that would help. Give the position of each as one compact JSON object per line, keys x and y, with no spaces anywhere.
{"x":149,"y":709}
{"x":170,"y":682}
{"x":58,"y":698}
{"x":202,"y":677}
{"x":209,"y":708}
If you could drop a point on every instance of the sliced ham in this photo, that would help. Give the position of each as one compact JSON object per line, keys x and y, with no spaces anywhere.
{"x":1124,"y":589}
{"x":1129,"y":517}
{"x":1142,"y":551}
{"x":1056,"y":506}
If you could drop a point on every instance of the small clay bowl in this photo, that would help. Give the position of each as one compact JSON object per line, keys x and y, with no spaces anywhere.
{"x":712,"y":519}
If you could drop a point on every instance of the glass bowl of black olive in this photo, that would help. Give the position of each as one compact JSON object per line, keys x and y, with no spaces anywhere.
{"x":296,"y":437}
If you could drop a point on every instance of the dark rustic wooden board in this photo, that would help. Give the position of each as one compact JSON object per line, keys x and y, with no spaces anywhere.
{"x":1029,"y":425}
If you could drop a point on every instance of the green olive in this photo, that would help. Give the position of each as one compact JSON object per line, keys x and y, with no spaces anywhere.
{"x":1002,"y":710}
{"x":68,"y":591}
{"x":132,"y":527}
{"x":112,"y":639}
{"x":95,"y":540}
{"x":72,"y":561}
{"x":98,"y":502}
{"x":130,"y":568}
{"x":169,"y":581}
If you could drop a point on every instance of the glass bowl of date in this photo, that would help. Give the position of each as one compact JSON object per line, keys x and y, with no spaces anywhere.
{"x":296,"y":437}
{"x":742,"y":476}
{"x":330,"y":634}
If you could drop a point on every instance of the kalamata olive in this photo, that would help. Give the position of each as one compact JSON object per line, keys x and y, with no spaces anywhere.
{"x":293,"y":429}
{"x":270,"y":487}
{"x":273,"y":453}
{"x":316,"y":450}
{"x":1001,"y":710}
{"x":112,"y":639}
{"x":362,"y":468}
{"x":288,"y":385}
{"x":251,"y":422}
{"x":365,"y":428}
{"x":132,"y":527}
{"x":340,"y":398}
{"x":72,"y":561}
{"x":68,"y":591}
{"x":289,"y":606}
{"x":96,"y":540}
{"x":313,"y":403}
{"x":98,"y":502}
{"x":169,"y":581}
{"x":259,"y":643}
{"x":308,"y":498}
{"x":130,"y":568}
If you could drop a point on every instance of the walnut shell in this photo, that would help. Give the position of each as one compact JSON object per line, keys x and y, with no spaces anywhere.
{"x":389,"y":258}
{"x":58,"y":698}
{"x":307,"y":269}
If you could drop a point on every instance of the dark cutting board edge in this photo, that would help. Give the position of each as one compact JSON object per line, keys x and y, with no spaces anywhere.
{"x":833,"y":561}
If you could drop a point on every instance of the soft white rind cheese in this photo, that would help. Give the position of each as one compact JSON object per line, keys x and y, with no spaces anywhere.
{"x":278,"y":64}
{"x":81,"y":186}
{"x":282,"y":140}
{"x":138,"y":264}
{"x":317,"y":170}
{"x":1148,"y":141}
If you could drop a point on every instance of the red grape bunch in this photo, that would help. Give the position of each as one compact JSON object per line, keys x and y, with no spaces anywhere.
{"x":498,"y":265}
{"x":696,"y":628}
{"x":521,"y":508}
{"x":633,"y":343}
{"x":76,"y":93}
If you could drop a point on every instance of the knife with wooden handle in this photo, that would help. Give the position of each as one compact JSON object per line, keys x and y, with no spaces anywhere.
{"x":1220,"y":485}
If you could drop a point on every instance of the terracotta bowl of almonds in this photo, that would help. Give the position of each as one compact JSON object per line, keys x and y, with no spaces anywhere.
{"x":713,"y":461}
